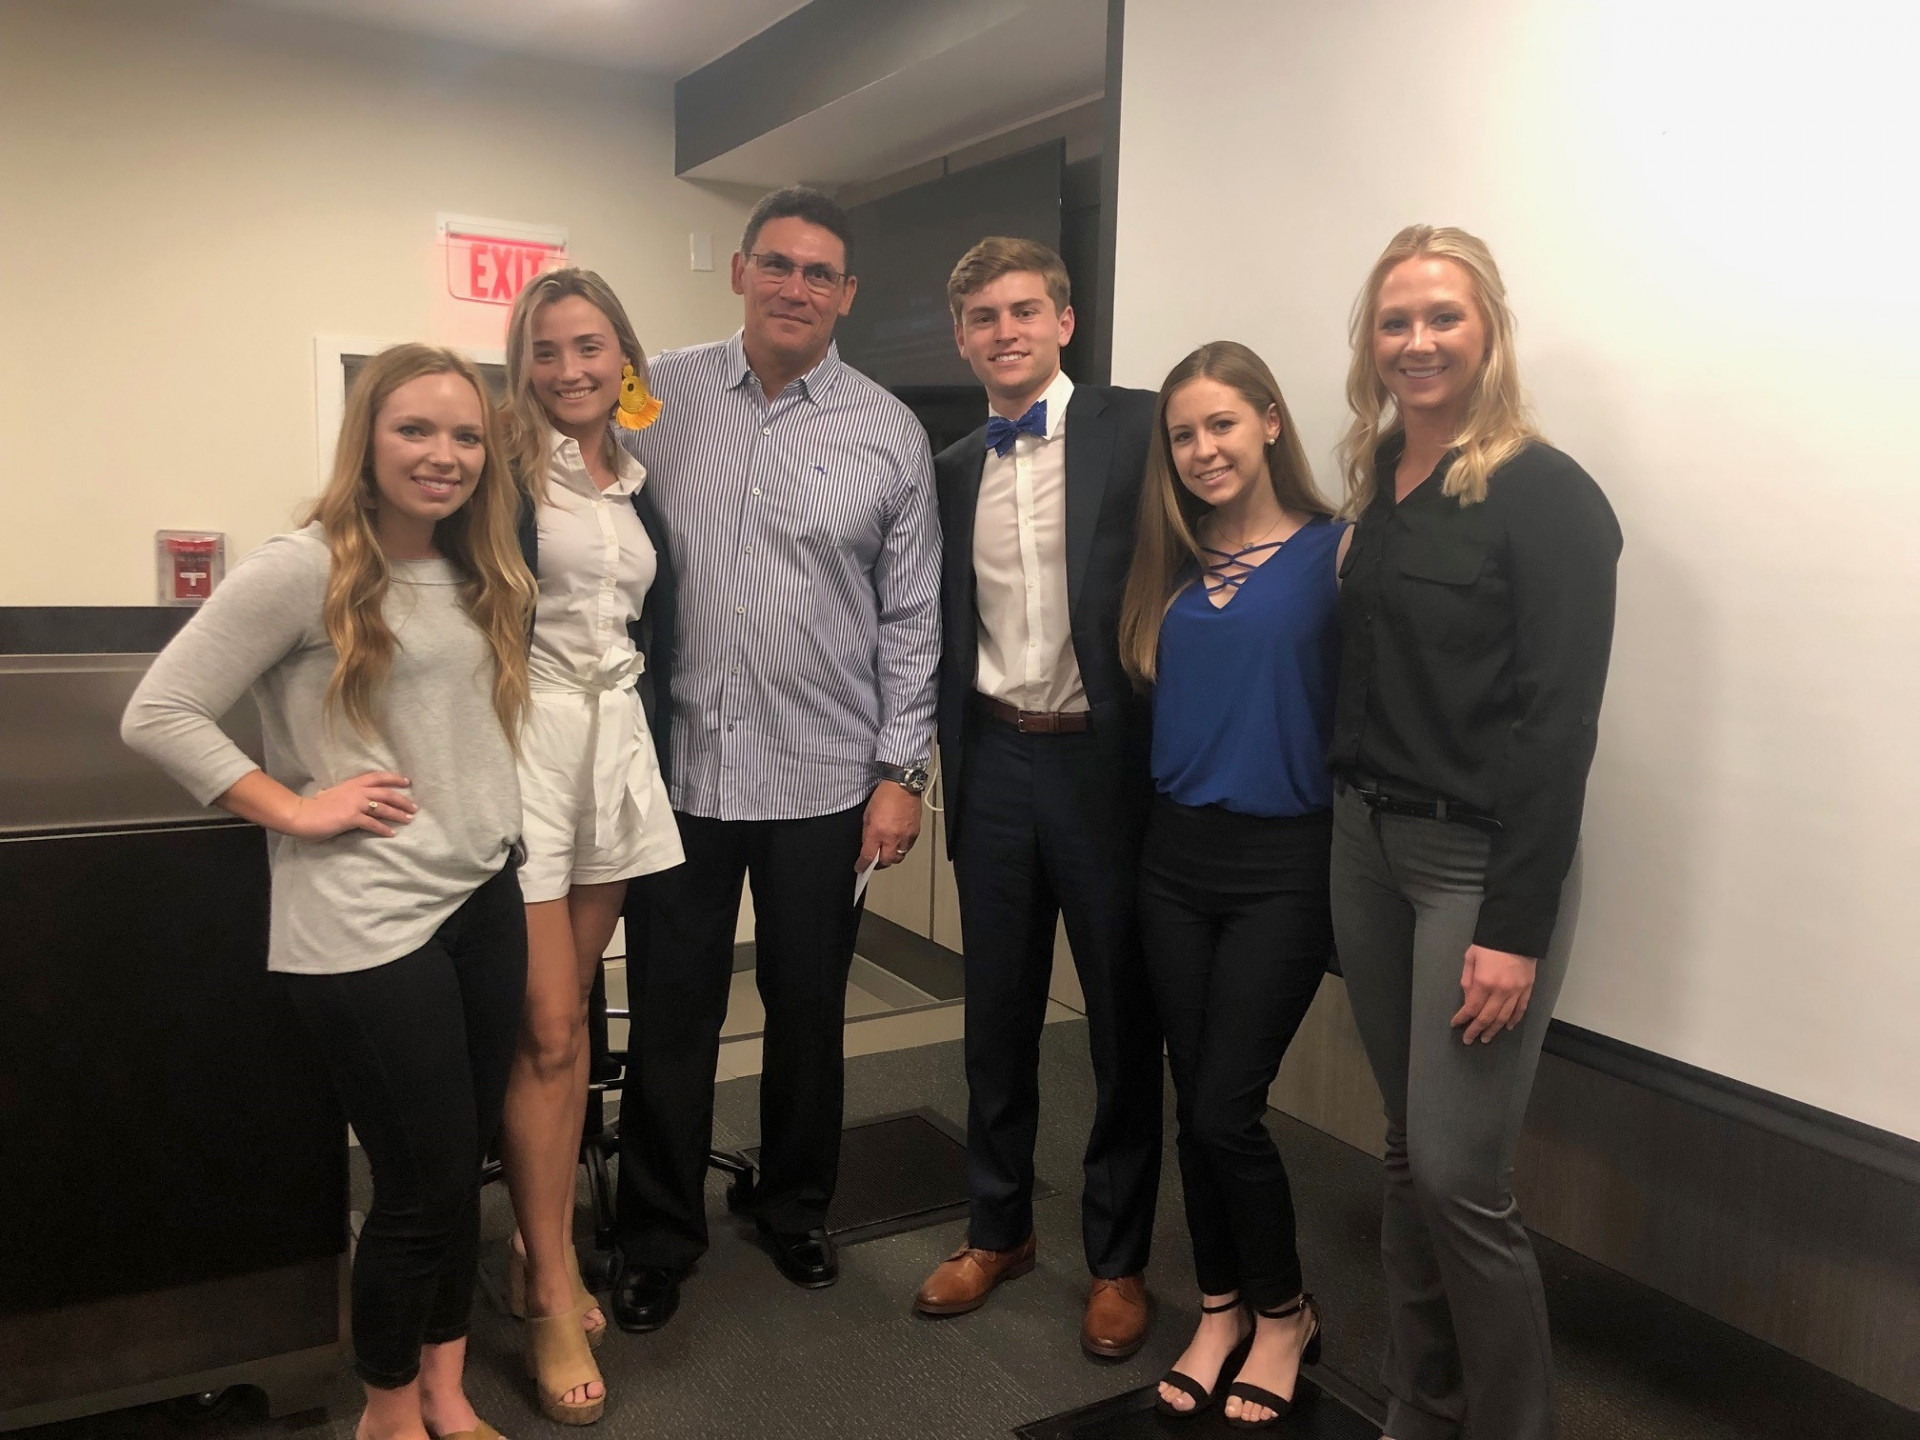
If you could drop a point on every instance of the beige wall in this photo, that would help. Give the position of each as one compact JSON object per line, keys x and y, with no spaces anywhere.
{"x":191,"y":193}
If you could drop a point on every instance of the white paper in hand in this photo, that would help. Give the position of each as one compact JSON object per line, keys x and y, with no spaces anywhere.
{"x":860,"y":880}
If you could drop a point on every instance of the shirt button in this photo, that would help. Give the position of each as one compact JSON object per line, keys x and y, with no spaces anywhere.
{"x":756,"y":489}
{"x":766,"y":430}
{"x":739,"y":609}
{"x":746,"y":549}
{"x":734,"y":671}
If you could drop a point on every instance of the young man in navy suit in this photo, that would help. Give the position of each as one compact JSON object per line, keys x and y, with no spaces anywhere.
{"x":1043,"y":745}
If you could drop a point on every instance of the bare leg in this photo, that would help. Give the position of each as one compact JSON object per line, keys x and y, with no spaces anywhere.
{"x":1212,"y":1343}
{"x":546,"y":1098}
{"x":392,"y":1415}
{"x":443,"y":1395}
{"x":592,"y":912}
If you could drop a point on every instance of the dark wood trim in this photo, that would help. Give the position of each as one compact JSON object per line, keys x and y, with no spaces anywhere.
{"x":89,"y":629}
{"x":1836,"y":1135}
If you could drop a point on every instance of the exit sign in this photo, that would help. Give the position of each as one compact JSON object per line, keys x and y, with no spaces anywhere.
{"x":491,"y":261}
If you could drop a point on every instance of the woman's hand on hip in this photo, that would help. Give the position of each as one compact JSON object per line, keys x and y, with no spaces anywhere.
{"x":376,"y":802}
{"x":1497,"y":986}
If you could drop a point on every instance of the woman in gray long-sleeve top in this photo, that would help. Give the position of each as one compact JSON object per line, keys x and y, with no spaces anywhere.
{"x":385,"y":645}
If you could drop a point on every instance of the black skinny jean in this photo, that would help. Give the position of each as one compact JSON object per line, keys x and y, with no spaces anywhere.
{"x":418,"y":1050}
{"x":1234,"y":916}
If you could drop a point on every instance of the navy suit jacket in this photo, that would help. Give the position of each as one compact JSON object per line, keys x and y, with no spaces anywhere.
{"x":1106,"y":433}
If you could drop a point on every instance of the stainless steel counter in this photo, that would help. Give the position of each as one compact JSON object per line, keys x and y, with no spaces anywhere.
{"x":62,"y":765}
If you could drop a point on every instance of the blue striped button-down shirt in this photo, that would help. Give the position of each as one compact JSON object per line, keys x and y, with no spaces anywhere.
{"x":807,"y":545}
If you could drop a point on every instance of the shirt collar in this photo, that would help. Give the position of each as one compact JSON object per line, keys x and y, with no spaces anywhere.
{"x":814,"y":384}
{"x":569,"y":467}
{"x":1386,"y":459}
{"x":1056,"y":395}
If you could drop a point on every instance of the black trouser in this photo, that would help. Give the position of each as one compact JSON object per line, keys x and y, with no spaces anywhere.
{"x":1235,"y":919}
{"x":418,"y":1050}
{"x":678,"y":976}
{"x":1048,"y":827}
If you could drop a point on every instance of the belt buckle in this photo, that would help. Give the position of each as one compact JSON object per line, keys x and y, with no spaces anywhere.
{"x":1039,"y":725}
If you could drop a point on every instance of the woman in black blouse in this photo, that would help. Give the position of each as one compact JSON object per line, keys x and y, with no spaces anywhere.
{"x":1477,"y":615}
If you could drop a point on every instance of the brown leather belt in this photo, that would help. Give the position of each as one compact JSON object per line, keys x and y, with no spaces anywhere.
{"x":1035,"y":722}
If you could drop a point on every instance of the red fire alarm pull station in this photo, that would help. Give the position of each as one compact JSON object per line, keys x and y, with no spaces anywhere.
{"x":192,"y":562}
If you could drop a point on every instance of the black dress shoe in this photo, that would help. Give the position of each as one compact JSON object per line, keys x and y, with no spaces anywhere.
{"x":644,"y":1297}
{"x":806,"y":1257}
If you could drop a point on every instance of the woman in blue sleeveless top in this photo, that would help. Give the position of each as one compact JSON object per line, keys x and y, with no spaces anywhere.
{"x":1230,"y":615}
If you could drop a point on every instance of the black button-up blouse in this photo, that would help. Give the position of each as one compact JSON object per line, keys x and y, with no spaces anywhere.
{"x":1475,"y":652}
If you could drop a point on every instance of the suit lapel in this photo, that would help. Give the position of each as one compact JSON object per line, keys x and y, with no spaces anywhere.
{"x":1089,"y":436}
{"x":969,"y":463}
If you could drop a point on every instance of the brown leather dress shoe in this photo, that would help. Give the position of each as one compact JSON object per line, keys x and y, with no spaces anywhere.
{"x":1116,"y":1322}
{"x":965,"y":1278}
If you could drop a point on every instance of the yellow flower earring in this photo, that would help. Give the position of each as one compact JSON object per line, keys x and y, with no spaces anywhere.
{"x":638,"y":409}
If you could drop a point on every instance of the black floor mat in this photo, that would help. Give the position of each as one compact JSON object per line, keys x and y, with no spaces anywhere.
{"x":898,"y":1173}
{"x":1316,"y":1415}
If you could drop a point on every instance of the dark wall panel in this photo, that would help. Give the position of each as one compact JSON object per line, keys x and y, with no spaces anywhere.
{"x":906,"y":244}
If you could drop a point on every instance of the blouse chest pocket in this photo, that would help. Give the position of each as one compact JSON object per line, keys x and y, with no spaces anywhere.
{"x":1451,"y":593}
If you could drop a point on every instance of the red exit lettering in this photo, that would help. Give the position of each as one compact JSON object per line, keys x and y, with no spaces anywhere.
{"x":496,"y":271}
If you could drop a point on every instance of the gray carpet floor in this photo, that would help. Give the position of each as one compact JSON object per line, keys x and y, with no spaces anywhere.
{"x":751,"y":1356}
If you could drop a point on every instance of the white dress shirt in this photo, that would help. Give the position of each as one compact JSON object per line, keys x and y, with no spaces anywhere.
{"x":1020,"y":569}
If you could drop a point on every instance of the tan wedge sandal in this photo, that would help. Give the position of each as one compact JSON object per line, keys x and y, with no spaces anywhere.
{"x":482,"y":1431}
{"x":583,"y":1299}
{"x":558,"y":1360}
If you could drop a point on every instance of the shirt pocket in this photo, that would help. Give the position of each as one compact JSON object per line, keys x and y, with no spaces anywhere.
{"x":1448,"y":594}
{"x":836,"y":511}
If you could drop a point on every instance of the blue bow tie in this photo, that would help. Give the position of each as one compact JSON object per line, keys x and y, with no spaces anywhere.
{"x":1001,"y":432}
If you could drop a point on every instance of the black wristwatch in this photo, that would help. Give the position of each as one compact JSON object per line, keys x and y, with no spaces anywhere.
{"x":913,"y":779}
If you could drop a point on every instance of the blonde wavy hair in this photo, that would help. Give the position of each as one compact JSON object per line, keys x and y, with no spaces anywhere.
{"x":478,"y":539}
{"x":1498,"y":424}
{"x":1166,"y":538}
{"x":529,"y":433}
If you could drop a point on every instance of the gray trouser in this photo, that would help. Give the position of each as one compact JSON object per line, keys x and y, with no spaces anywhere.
{"x":1467,"y":1346}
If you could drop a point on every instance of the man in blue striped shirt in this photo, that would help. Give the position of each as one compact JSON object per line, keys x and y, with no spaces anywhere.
{"x":798,"y":500}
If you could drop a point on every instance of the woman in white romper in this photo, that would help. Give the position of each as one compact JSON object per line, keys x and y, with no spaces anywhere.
{"x":596,"y":808}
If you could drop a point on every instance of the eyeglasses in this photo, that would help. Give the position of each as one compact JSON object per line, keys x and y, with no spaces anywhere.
{"x":778,"y":269}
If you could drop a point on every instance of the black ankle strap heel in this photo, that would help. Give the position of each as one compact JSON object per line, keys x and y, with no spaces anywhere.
{"x":1309,"y":1355}
{"x":1203,"y":1397}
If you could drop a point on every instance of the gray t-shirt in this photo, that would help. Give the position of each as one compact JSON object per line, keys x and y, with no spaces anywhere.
{"x":359,"y":899}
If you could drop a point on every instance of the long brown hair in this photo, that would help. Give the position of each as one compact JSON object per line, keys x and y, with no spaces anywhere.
{"x":1498,"y":424}
{"x":528,"y":430}
{"x":1166,"y":540}
{"x":478,"y":539}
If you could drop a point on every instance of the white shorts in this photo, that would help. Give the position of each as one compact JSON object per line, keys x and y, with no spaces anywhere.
{"x":568,"y":841}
